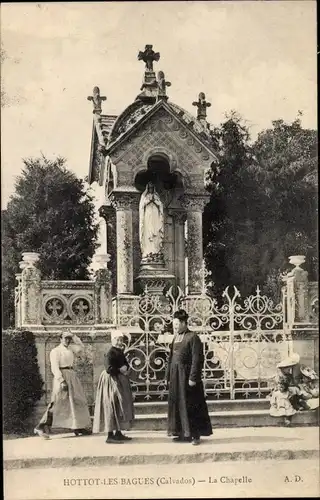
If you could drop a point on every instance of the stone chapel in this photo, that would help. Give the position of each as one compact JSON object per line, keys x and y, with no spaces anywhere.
{"x":153,"y":145}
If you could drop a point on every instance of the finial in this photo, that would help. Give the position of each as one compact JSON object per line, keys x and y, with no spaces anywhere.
{"x":97,"y":99}
{"x":162,"y":85}
{"x":202,"y":106}
{"x":148,"y":56}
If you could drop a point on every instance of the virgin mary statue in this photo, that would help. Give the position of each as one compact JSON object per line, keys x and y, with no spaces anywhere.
{"x":151,"y":222}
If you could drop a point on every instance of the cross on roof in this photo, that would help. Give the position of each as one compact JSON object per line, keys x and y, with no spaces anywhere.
{"x":97,"y":99}
{"x":148,"y":56}
{"x":202,"y":106}
{"x":162,"y":85}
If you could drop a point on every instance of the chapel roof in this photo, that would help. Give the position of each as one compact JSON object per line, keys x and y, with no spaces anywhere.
{"x":114,"y":127}
{"x":111,"y":129}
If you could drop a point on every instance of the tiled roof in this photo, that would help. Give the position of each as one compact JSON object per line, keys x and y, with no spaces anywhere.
{"x":113,"y":127}
{"x":127,"y":119}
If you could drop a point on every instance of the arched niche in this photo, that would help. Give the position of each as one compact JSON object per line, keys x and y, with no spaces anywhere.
{"x":159,"y":172}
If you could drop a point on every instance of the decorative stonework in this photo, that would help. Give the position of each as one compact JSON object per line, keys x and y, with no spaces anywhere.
{"x":194,"y":203}
{"x":164,"y":130}
{"x":148,"y":56}
{"x":162,"y":86}
{"x":202,"y":106}
{"x":124,"y":251}
{"x":103,"y":296}
{"x":125,"y":200}
{"x":96,"y":100}
{"x":179,"y":216}
{"x":155,"y":283}
{"x":67,"y":308}
{"x":195,"y":251}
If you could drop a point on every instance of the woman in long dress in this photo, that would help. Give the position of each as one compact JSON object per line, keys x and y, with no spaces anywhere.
{"x":151,"y":226}
{"x":188,"y":416}
{"x":114,"y":410}
{"x":68,"y":408}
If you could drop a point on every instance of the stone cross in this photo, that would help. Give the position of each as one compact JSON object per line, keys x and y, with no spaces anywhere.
{"x":148,"y":56}
{"x":202,"y":106}
{"x":97,"y":99}
{"x":162,"y":84}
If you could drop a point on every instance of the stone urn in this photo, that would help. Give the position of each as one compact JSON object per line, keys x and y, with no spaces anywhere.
{"x":297,"y":260}
{"x":30,"y":258}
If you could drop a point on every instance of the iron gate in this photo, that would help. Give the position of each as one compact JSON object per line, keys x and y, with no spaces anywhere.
{"x":243,"y":341}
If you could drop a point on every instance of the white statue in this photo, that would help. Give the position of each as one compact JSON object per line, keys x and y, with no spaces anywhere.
{"x":151,"y":222}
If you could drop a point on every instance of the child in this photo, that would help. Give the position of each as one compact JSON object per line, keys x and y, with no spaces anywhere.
{"x":280,"y":402}
{"x":114,"y":403}
{"x":308,"y":389}
{"x":284,"y":392}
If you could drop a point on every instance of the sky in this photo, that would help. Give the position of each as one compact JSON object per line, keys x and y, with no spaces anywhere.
{"x":255,"y":57}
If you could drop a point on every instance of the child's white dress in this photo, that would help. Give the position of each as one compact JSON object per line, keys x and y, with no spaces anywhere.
{"x":280,"y":404}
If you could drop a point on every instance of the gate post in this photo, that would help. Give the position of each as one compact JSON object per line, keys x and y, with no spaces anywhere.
{"x":305,"y":333}
{"x":297,"y":292}
{"x":30,"y":295}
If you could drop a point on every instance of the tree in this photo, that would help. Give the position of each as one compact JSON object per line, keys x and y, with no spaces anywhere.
{"x":50,"y":213}
{"x":230,"y":218}
{"x":263,"y":205}
{"x":286,"y":169}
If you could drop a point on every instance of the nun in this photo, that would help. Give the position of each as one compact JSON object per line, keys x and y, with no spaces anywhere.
{"x":114,"y":409}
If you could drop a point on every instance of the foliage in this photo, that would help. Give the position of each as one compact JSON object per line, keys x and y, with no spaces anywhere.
{"x":286,"y":170}
{"x":263,"y":205}
{"x":50,"y":213}
{"x":22,"y":382}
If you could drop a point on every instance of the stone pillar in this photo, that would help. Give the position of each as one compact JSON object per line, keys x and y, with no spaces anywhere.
{"x":194,"y":206}
{"x":18,"y":302}
{"x":297,"y":291}
{"x":124,"y":203}
{"x":179,"y":253}
{"x":101,"y":256}
{"x":102,"y":293}
{"x":30,"y":290}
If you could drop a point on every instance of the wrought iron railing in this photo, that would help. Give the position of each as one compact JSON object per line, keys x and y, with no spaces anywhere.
{"x":243,"y":341}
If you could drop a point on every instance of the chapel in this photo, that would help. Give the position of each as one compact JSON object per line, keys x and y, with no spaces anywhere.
{"x":150,"y":163}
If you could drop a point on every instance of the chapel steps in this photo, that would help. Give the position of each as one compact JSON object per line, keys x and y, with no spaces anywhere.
{"x":231,"y":418}
{"x":152,"y":416}
{"x":145,"y":408}
{"x":223,"y":413}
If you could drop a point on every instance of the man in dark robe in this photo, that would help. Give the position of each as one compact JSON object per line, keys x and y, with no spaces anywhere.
{"x":188,"y":416}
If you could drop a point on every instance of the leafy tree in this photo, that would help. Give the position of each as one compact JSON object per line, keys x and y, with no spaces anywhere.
{"x":286,"y":169}
{"x":50,"y":213}
{"x":230,"y":217}
{"x":263,"y":205}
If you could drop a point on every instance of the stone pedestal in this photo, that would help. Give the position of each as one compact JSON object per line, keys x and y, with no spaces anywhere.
{"x":124,"y":307}
{"x":155,"y":279}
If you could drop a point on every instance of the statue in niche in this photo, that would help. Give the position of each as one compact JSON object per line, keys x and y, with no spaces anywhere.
{"x":151,"y":224}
